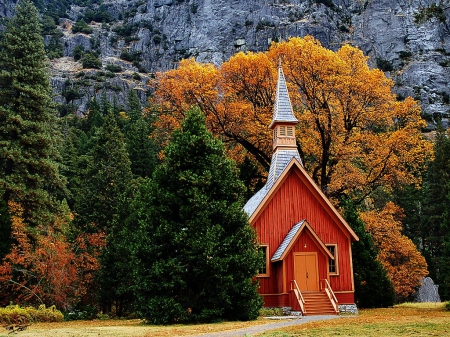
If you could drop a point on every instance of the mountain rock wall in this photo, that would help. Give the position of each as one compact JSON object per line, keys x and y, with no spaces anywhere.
{"x":408,"y":39}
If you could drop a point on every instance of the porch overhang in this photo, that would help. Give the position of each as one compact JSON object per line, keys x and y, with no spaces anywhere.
{"x":292,"y":237}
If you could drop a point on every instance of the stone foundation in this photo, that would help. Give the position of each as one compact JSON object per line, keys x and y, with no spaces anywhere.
{"x":348,"y":309}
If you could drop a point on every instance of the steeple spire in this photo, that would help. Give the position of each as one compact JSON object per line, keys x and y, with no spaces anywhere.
{"x":283,"y":120}
{"x":284,"y":142}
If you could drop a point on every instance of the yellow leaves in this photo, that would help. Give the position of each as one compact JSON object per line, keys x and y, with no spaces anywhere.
{"x":353,"y":134}
{"x":398,"y":254}
{"x":237,"y":99}
{"x":191,"y":84}
{"x":251,"y":78}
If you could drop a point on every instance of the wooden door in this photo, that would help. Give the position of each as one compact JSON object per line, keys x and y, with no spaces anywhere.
{"x":306,"y":271}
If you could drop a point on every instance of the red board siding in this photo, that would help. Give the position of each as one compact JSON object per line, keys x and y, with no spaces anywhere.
{"x":290,"y":204}
{"x":345,"y":298}
{"x":279,"y":300}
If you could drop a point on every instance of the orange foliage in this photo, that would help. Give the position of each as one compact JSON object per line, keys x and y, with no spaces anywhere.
{"x":398,"y":254}
{"x":237,"y":100}
{"x":354,"y":134}
{"x":44,"y":267}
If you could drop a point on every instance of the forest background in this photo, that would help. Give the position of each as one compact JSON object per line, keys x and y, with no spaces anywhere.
{"x":73,"y":187}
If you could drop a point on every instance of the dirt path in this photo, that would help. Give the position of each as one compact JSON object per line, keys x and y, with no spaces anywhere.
{"x":250,"y":331}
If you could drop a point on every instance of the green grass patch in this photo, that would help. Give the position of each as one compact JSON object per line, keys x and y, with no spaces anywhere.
{"x":408,"y":319}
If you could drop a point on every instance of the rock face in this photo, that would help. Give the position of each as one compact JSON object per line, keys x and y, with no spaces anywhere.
{"x":408,"y":39}
{"x":428,"y":291}
{"x":6,"y":8}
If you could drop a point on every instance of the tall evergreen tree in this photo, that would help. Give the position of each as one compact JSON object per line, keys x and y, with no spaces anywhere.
{"x":29,"y":171}
{"x":134,"y":109}
{"x":141,"y":148}
{"x":106,"y":179}
{"x":94,"y":118}
{"x":5,"y":229}
{"x":373,"y":289}
{"x":436,"y":205}
{"x":197,"y":254}
{"x":102,"y":206}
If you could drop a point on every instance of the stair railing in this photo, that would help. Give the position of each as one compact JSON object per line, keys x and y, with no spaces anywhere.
{"x":299,"y":296}
{"x":331,"y":295}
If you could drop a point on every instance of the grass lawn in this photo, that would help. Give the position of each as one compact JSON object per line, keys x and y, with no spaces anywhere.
{"x":409,"y":319}
{"x":124,"y":328}
{"x":402,"y":320}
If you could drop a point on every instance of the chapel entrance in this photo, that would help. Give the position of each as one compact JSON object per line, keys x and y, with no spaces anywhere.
{"x":306,"y":271}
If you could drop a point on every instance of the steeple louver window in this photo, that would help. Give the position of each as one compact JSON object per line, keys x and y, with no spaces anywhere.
{"x":290,"y":131}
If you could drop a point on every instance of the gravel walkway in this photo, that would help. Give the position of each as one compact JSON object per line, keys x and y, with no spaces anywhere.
{"x":269,"y":326}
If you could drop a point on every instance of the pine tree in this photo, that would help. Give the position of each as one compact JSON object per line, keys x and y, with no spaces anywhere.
{"x":102,"y":206}
{"x":29,"y":171}
{"x":141,"y":148}
{"x":197,"y":254}
{"x":373,"y":289}
{"x":106,"y":179}
{"x":5,"y":229}
{"x":133,"y":106}
{"x":436,"y":224}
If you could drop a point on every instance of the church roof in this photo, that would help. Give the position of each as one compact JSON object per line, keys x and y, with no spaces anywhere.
{"x":282,"y":110}
{"x":280,"y":160}
{"x":292,"y":236}
{"x":287,"y":241}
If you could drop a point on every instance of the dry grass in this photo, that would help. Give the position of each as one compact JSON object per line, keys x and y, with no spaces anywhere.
{"x":409,"y":319}
{"x":125,"y":328}
{"x":402,"y":320}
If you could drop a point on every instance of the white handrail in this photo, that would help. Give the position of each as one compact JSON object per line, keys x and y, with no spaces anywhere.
{"x":331,"y":295}
{"x":296,"y":286}
{"x":299,"y":296}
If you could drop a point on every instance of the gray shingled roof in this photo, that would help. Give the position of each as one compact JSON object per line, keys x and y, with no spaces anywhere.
{"x":282,"y":110}
{"x":287,"y":241}
{"x":280,"y":160}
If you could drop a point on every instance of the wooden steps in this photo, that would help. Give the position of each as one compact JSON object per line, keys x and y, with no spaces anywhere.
{"x":318,"y":303}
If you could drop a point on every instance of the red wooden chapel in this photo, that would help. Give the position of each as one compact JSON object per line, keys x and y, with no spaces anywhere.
{"x":306,"y":242}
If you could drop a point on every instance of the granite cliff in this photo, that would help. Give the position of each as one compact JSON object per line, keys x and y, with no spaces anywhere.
{"x":408,"y":39}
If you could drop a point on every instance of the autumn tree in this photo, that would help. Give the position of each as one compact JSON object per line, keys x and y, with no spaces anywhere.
{"x":28,"y":154}
{"x":237,"y":100}
{"x":405,"y":265}
{"x":48,"y":269}
{"x":373,"y":288}
{"x":354,"y":135}
{"x":196,"y":254}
